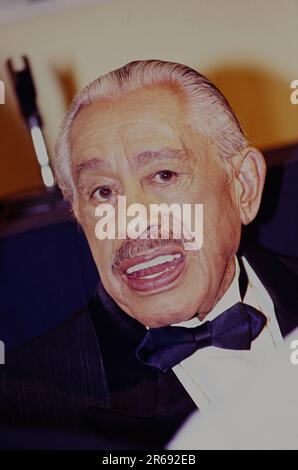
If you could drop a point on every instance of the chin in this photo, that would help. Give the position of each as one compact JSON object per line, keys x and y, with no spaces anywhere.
{"x":164,"y":301}
{"x":166,"y":310}
{"x":164,"y":320}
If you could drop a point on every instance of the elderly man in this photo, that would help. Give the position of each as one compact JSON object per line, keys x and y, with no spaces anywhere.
{"x":170,"y":330}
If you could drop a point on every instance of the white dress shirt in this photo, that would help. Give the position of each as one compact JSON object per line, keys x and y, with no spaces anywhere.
{"x":210,"y":374}
{"x":261,"y":413}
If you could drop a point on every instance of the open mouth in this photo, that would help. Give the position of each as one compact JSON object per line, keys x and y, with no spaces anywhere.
{"x":154,"y":270}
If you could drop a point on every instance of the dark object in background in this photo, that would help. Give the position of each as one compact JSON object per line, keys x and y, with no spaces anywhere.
{"x":276,"y":225}
{"x":46,"y":274}
{"x":25,"y":91}
{"x":39,"y":199}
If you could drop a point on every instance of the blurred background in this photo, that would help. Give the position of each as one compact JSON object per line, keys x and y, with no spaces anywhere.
{"x":249,"y":49}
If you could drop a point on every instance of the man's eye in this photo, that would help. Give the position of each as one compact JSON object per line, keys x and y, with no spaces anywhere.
{"x":165,"y":176}
{"x":102,"y":194}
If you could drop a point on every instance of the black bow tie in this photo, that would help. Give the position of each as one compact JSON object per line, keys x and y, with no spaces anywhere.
{"x":236,"y":328}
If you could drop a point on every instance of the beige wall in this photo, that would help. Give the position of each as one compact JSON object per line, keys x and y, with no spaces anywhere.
{"x":250,"y":50}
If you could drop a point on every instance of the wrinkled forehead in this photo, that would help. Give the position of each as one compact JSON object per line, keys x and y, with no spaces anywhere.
{"x":146,"y":119}
{"x":144,"y":105}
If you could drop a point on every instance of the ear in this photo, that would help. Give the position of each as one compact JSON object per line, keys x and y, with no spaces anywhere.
{"x":250,"y":178}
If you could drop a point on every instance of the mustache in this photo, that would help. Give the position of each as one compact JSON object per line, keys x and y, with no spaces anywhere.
{"x":136,"y":247}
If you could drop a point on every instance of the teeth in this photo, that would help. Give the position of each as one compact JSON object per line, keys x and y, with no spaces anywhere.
{"x":151,"y":276}
{"x":153,"y":262}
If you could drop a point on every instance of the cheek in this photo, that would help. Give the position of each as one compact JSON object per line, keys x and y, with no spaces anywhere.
{"x":101,"y":249}
{"x":222,"y":225}
{"x":221,"y":221}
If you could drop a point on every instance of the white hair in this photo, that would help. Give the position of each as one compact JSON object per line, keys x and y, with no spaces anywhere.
{"x":213,"y":114}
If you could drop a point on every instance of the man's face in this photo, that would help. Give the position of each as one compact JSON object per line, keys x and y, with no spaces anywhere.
{"x":144,"y":147}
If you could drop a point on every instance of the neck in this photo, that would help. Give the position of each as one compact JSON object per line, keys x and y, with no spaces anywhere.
{"x":225,"y":283}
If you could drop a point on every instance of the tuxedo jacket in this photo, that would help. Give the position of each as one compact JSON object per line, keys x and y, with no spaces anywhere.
{"x":84,"y":377}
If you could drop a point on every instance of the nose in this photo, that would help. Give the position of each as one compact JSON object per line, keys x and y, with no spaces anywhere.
{"x":135,"y":194}
{"x":137,"y":207}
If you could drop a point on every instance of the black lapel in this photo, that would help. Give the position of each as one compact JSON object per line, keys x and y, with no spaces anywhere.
{"x":131,"y":385}
{"x":280,"y":282}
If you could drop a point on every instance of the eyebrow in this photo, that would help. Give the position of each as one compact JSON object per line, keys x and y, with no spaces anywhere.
{"x":89,"y":166}
{"x":148,"y":156}
{"x":141,"y":159}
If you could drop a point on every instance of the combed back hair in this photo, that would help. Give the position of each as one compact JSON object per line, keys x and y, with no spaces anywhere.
{"x":209,"y":109}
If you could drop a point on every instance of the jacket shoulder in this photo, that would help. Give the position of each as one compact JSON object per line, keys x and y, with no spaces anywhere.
{"x":53,"y":377}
